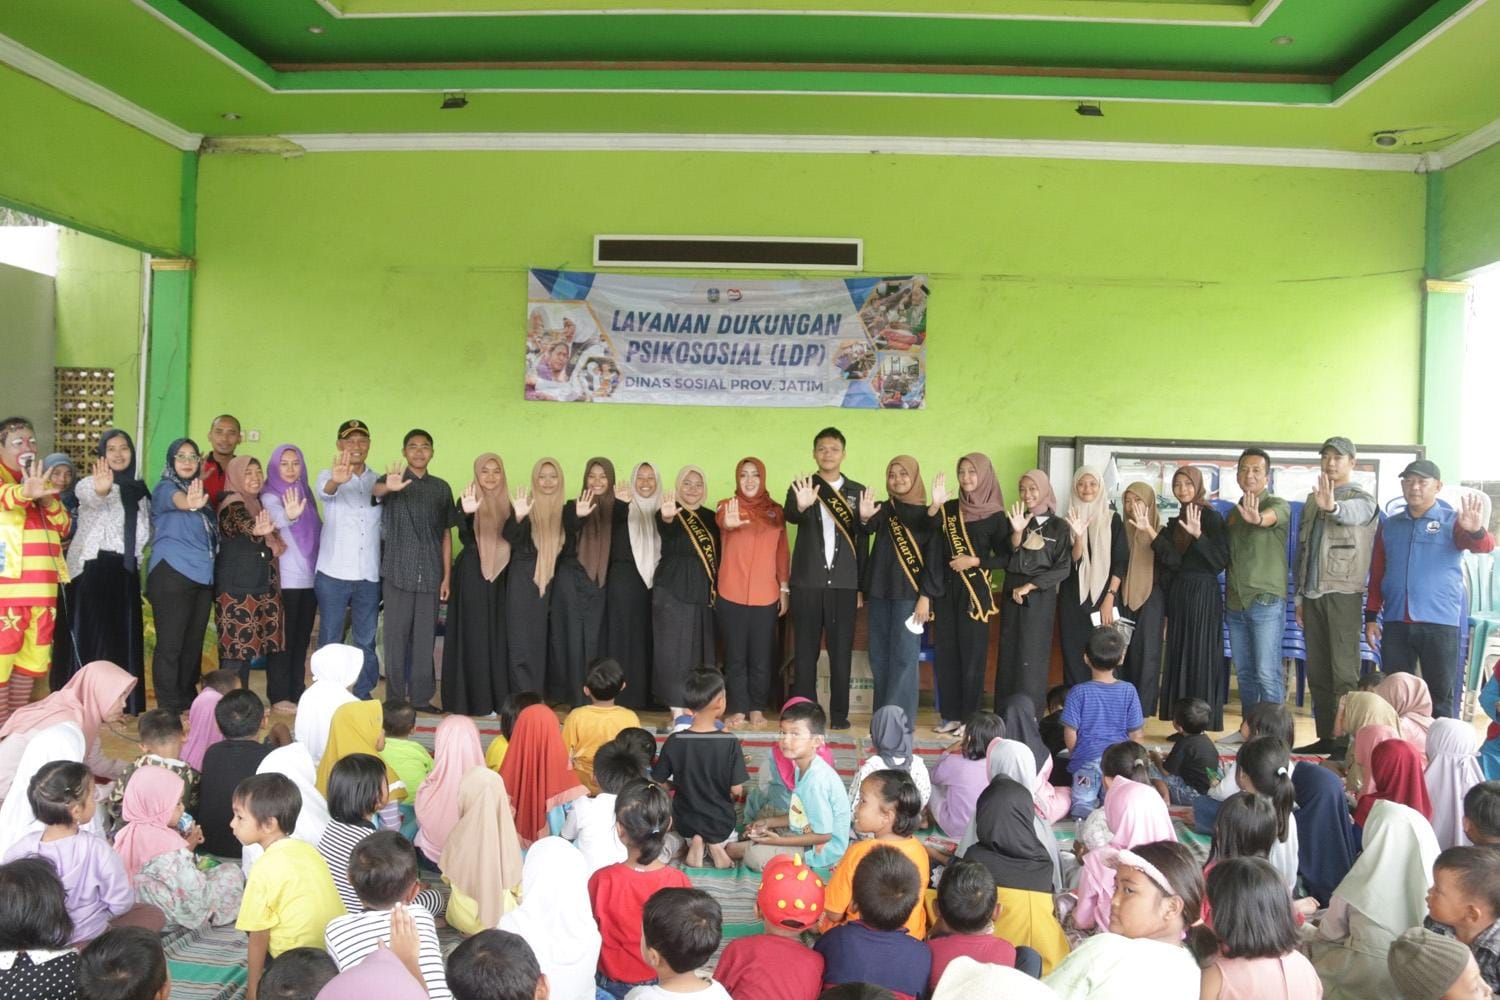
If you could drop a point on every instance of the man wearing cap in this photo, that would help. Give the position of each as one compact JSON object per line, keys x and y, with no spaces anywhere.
{"x":1334,"y":542}
{"x":1417,"y":578}
{"x":348,"y":572}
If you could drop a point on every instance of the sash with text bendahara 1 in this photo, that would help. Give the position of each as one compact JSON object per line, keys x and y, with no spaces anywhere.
{"x":976,"y":581}
{"x":908,"y":553}
{"x":843,"y":514}
{"x":703,"y":544}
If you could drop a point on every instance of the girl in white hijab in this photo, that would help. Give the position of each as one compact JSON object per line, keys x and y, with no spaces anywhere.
{"x":61,"y":741}
{"x":335,"y":668}
{"x":556,"y":919}
{"x":1452,"y":769}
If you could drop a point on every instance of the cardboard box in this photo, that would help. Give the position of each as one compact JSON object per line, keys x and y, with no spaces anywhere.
{"x":861,"y":684}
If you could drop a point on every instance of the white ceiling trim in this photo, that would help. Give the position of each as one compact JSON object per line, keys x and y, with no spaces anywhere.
{"x":1406,"y":53}
{"x":1255,"y":21}
{"x":1262,"y":156}
{"x":56,"y":75}
{"x":1472,"y":144}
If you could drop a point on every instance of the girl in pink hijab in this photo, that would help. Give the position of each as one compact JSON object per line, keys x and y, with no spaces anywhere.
{"x":1408,"y":694}
{"x":159,"y":859}
{"x":455,"y":751}
{"x":1039,"y":556}
{"x":1136,"y":815}
{"x":92,"y":698}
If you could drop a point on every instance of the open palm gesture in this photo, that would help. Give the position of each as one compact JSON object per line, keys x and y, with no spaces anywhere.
{"x":262,"y":526}
{"x":294,"y":503}
{"x":343,"y":468}
{"x":520,"y":504}
{"x":586,"y":503}
{"x":940,"y":489}
{"x":395,"y":477}
{"x":1078,"y":522}
{"x":867,"y":505}
{"x":469,"y":501}
{"x":1018,"y":516}
{"x":669,"y":505}
{"x":805,"y":492}
{"x":732,"y":518}
{"x":197,"y":499}
{"x":1250,"y":508}
{"x":1192,"y":520}
{"x":1471,"y":513}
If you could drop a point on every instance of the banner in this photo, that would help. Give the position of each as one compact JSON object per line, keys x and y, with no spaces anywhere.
{"x":605,"y":338}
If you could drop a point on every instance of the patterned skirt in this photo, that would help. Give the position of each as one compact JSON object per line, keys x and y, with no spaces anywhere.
{"x":250,"y":626}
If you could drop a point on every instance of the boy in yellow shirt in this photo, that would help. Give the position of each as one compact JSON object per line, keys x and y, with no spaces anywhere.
{"x":289,"y":896}
{"x":589,"y":727}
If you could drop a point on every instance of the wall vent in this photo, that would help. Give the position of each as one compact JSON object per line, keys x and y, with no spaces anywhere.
{"x":767,"y":253}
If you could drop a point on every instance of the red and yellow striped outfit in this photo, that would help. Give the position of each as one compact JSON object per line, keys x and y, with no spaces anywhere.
{"x":31,"y":568}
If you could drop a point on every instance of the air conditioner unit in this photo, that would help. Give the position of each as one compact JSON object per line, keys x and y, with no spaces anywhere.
{"x":766,"y":253}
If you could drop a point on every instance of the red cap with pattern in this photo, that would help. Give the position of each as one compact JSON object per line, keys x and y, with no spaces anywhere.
{"x":791,"y":894}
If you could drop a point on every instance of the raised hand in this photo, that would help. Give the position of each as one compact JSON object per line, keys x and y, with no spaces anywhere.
{"x":1140,"y":520}
{"x":1192,"y":520}
{"x":732,"y":518}
{"x":1471,"y":513}
{"x":343,"y":469}
{"x":520,"y":504}
{"x":940,"y":489}
{"x":622,"y":492}
{"x":1324,"y":494}
{"x":293,"y":503}
{"x":867,"y":505}
{"x":194,"y":837}
{"x":469,"y":501}
{"x":669,"y":505}
{"x":1078,"y":522}
{"x":585,"y":505}
{"x":35,"y":485}
{"x":1249,"y":508}
{"x":103,"y":478}
{"x":403,"y":941}
{"x":395,"y":477}
{"x":805,"y":492}
{"x":1018,"y":516}
{"x":197,"y":499}
{"x":263,"y":525}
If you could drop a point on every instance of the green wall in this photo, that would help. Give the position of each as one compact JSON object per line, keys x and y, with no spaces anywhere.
{"x":1466,"y":215}
{"x":65,"y":161}
{"x":1068,"y":297}
{"x":99,"y":314}
{"x":26,"y":299}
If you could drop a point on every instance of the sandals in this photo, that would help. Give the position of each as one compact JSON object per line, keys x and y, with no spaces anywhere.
{"x":947,"y":727}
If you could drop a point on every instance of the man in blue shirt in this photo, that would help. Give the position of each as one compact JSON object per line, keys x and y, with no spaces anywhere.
{"x":1098,"y":714}
{"x":348,"y":570}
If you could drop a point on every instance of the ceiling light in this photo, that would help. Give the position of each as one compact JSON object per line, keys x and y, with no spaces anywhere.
{"x":1283,"y":40}
{"x":454,"y":101}
{"x":1089,"y":111}
{"x":230,"y":116}
{"x":315,"y":29}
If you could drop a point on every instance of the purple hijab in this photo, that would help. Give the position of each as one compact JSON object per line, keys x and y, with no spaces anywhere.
{"x":309,"y":527}
{"x":203,"y":728}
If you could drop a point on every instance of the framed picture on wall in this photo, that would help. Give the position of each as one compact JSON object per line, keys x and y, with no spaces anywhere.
{"x":1294,"y":466}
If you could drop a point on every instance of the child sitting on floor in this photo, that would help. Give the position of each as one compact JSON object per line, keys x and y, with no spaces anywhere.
{"x":1464,"y":902}
{"x":816,"y":824}
{"x":591,"y":823}
{"x":496,"y":965}
{"x":680,"y":931}
{"x":789,"y":903}
{"x":403,"y":755}
{"x":126,"y":963}
{"x":1429,"y":966}
{"x":961,"y":773}
{"x":240,"y":715}
{"x":289,"y":897}
{"x":1482,"y":814}
{"x":875,"y":948}
{"x":35,"y":960}
{"x":1098,"y":714}
{"x":643,"y":743}
{"x":383,"y":871}
{"x":1127,"y":761}
{"x":159,"y":859}
{"x":589,"y":727}
{"x":705,"y":767}
{"x":98,"y":889}
{"x":203,"y":729}
{"x":889,"y":809}
{"x":618,"y":893}
{"x":1266,"y":718}
{"x":966,"y":920}
{"x":161,"y":739}
{"x":892,"y":742}
{"x":1192,"y":767}
{"x":513,"y":705}
{"x":300,"y":974}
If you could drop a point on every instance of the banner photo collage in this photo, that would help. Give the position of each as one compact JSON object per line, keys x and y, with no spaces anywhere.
{"x":607,"y":338}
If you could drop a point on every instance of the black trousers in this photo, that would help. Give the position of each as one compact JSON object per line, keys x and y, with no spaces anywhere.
{"x":180,"y":607}
{"x":749,"y":634}
{"x":286,"y":670}
{"x":1404,"y":645}
{"x":819,"y":612}
{"x":1025,"y":645}
{"x":962,"y":646}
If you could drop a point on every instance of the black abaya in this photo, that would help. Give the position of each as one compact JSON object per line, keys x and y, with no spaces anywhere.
{"x":627,"y":620}
{"x":526,"y":612}
{"x":104,"y":605}
{"x":1026,"y":628}
{"x":960,"y":643}
{"x":576,"y":636}
{"x":1194,"y":665}
{"x":1074,"y":616}
{"x":476,"y":676}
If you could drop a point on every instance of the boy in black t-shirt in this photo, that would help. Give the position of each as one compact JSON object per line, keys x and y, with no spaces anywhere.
{"x":1192,"y":767}
{"x":706,"y":769}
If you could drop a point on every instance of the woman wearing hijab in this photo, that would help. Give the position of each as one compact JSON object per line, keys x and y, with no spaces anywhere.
{"x":287,"y":497}
{"x":1363,"y":710}
{"x":1142,"y":598}
{"x":1327,"y":842}
{"x":537,"y":775}
{"x":58,"y":469}
{"x":967,"y":541}
{"x":103,"y":598}
{"x":633,"y":555}
{"x":576,"y":630}
{"x":1397,"y":774}
{"x":1136,"y":815}
{"x":1037,"y":559}
{"x":180,"y":575}
{"x":476,"y":678}
{"x":754,"y":570}
{"x":1006,"y":843}
{"x":1092,"y":585}
{"x":1408,"y":694}
{"x":294,"y":762}
{"x":535,"y":534}
{"x":1019,"y":716}
{"x":455,"y":751}
{"x":892,"y":741}
{"x":335,"y":668}
{"x":1193,"y":551}
{"x":556,"y":919}
{"x":160,"y":862}
{"x":772,"y":796}
{"x":1452,"y":769}
{"x":93,"y":698}
{"x":246,"y":580}
{"x":1005,"y":758}
{"x":902,"y":529}
{"x":482,"y":859}
{"x":682,"y":601}
{"x":1384,"y":893}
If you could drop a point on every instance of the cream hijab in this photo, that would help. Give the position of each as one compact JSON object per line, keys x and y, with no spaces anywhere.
{"x":489,"y":520}
{"x":1390,"y":878}
{"x":482,"y":856}
{"x":1093,"y":566}
{"x":546,"y":523}
{"x":645,"y":540}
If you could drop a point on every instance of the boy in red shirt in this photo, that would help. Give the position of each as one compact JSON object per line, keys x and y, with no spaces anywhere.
{"x":790,"y":902}
{"x":966,"y":920}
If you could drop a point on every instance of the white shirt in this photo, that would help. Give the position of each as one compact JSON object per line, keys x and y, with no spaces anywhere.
{"x":101,"y":526}
{"x":715,"y":991}
{"x":349,"y":548}
{"x":830,"y":539}
{"x":591,"y":825}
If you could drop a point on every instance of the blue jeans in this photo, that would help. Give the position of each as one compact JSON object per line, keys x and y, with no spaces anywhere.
{"x":1088,"y":789}
{"x":1255,"y":644}
{"x":893,"y":655}
{"x":363,"y":597}
{"x":1205,"y":812}
{"x":615,"y":987}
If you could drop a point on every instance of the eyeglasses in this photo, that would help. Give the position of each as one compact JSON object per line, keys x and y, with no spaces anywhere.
{"x":184,"y":456}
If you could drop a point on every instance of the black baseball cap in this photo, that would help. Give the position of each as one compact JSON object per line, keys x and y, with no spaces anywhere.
{"x":349,"y":427}
{"x":1422,"y":467}
{"x":1340,"y":444}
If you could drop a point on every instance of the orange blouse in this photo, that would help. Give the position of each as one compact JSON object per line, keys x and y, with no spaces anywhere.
{"x":755,"y":563}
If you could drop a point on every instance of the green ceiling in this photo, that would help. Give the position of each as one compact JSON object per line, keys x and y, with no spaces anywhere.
{"x":1166,"y":71}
